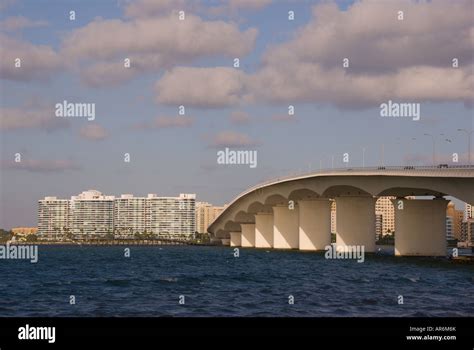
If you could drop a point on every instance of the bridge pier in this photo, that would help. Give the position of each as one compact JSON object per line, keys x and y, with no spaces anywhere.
{"x":285,"y":227}
{"x":248,"y":235}
{"x":264,"y":230}
{"x":235,"y":239}
{"x":314,"y":224}
{"x":355,"y":222}
{"x":420,"y":227}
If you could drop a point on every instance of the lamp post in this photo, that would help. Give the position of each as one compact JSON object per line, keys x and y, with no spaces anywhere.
{"x":468,"y":133}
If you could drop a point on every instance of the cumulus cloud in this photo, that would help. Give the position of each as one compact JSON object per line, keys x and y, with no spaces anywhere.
{"x":201,"y":87}
{"x":409,"y":60}
{"x":424,"y":37}
{"x":93,"y":132}
{"x":104,"y":74}
{"x":232,"y":139}
{"x":37,"y":61}
{"x":40,"y":166}
{"x":32,"y":115}
{"x":163,"y":122}
{"x":151,"y":44}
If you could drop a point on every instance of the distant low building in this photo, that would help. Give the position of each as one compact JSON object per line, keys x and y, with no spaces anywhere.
{"x":24,"y":231}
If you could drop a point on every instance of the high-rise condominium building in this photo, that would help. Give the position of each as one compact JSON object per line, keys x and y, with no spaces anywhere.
{"x":378,"y":225}
{"x":54,"y":218}
{"x":130,"y":215}
{"x":449,"y":228}
{"x":205,"y":215}
{"x":467,"y":232}
{"x":93,"y":214}
{"x":333,"y":216}
{"x":172,"y":216}
{"x":456,"y":218}
{"x":384,"y":207}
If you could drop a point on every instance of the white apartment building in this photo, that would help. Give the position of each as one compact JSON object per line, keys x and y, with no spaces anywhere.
{"x":54,"y":218}
{"x":205,"y":215}
{"x":130,"y":215}
{"x":92,"y":214}
{"x":172,"y":217}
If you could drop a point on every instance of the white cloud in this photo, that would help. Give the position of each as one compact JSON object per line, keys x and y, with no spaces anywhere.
{"x":151,"y":44}
{"x":37,"y":61}
{"x":201,"y":87}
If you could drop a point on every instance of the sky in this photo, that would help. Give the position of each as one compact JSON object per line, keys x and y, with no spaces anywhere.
{"x":421,"y":55}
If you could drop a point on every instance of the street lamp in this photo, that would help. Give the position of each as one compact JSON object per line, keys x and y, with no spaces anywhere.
{"x":434,"y":145}
{"x":468,"y":133}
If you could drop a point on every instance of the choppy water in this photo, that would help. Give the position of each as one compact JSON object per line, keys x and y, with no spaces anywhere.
{"x":215,"y":283}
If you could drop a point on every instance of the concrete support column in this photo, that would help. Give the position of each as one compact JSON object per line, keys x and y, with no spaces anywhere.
{"x":248,"y":235}
{"x":285,"y":227}
{"x":264,"y":230}
{"x":420,"y":227}
{"x":355,"y":222}
{"x":235,"y":239}
{"x":314,"y":224}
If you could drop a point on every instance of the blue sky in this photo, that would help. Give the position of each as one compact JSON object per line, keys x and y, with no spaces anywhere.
{"x":329,"y":118}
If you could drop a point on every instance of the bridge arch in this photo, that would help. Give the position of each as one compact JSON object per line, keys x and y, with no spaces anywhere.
{"x":410,"y":191}
{"x":345,"y":190}
{"x":302,"y":193}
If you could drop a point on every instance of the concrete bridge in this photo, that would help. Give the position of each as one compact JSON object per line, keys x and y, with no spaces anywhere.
{"x":294,"y":212}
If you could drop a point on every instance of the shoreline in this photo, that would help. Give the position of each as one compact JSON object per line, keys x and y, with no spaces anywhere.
{"x":113,"y":243}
